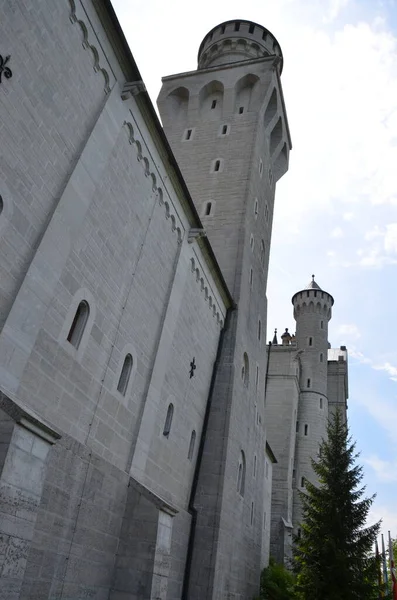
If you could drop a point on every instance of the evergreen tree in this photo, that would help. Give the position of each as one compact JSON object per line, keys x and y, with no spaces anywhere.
{"x":333,"y":556}
{"x":277,"y":583}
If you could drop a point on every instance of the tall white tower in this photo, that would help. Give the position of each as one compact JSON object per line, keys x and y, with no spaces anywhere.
{"x":227,"y":126}
{"x":312,"y":312}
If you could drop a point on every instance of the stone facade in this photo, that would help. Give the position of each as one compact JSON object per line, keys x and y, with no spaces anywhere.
{"x":136,"y":455}
{"x":307,"y":382}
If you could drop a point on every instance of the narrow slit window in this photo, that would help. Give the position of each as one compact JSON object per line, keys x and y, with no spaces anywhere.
{"x":191,"y":445}
{"x":241,"y":110}
{"x":263,"y":253}
{"x":308,"y":383}
{"x":256,"y":208}
{"x":188,"y":134}
{"x":208,"y":209}
{"x":254,"y":466}
{"x":224,"y":130}
{"x":321,"y":324}
{"x":321,"y":357}
{"x":125,"y":375}
{"x":306,"y":429}
{"x":168,"y":420}
{"x":259,"y":330}
{"x":302,"y":482}
{"x":1,"y":205}
{"x":297,"y":427}
{"x":252,"y":242}
{"x":310,"y":341}
{"x":217,"y":166}
{"x":252,"y":512}
{"x":79,"y":323}
{"x":260,"y":167}
{"x":237,"y":27}
{"x":223,"y":28}
{"x":251,"y":277}
{"x":257,"y":376}
{"x":241,"y":474}
{"x":252,"y":28}
{"x":213,"y":104}
{"x":321,"y":402}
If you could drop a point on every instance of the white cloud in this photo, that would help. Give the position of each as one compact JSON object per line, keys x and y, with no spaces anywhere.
{"x":392,"y":371}
{"x":336,"y":233}
{"x":386,"y":471}
{"x":334,"y":9}
{"x":349,"y":331}
{"x":388,"y":514}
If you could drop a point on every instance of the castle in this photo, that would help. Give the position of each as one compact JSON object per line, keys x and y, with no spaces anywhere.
{"x":152,"y":444}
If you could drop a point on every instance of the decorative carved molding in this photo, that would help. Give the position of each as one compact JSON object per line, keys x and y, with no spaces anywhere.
{"x":152,"y":177}
{"x":212,"y":303}
{"x":87,"y":45}
{"x":4,"y":70}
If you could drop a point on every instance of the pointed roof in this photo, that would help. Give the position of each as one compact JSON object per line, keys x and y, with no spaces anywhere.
{"x":275,"y":337}
{"x":312,"y":285}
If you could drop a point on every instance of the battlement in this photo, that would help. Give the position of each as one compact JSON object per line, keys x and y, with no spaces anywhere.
{"x":237,"y":40}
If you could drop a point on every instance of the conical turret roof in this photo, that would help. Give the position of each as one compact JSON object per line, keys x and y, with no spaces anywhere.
{"x":312,"y":285}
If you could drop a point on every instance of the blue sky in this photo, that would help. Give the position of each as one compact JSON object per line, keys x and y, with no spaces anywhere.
{"x":336,"y":209}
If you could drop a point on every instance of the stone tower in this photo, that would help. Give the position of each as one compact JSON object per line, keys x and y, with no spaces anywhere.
{"x":227,"y":126}
{"x":306,"y":381}
{"x":312,"y":311}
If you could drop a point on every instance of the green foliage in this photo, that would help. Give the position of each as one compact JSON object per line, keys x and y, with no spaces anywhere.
{"x":333,"y":557}
{"x":277,"y":583}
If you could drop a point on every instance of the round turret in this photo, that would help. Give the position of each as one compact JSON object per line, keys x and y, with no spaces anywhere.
{"x":313,"y":299}
{"x":237,"y":40}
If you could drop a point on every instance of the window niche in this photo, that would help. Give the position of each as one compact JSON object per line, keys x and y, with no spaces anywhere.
{"x":191,"y":445}
{"x":168,"y":420}
{"x":125,"y":375}
{"x":241,"y":474}
{"x":79,"y":324}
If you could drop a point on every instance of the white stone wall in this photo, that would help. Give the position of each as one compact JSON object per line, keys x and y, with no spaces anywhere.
{"x":227,"y":150}
{"x":95,"y":212}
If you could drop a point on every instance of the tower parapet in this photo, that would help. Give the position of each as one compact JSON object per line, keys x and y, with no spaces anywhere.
{"x":237,"y":40}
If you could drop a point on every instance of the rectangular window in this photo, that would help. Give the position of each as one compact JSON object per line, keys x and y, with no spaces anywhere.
{"x":302,"y":482}
{"x":241,"y":110}
{"x":321,"y":402}
{"x":308,"y":383}
{"x":252,"y":512}
{"x":188,"y":134}
{"x":297,"y":427}
{"x":306,"y":429}
{"x":257,"y":376}
{"x":213,"y":105}
{"x":224,"y":130}
{"x":251,"y":277}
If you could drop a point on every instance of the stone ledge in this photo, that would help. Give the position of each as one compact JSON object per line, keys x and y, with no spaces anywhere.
{"x":26,"y":418}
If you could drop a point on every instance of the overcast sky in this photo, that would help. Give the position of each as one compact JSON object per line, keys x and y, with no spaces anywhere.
{"x":335,"y":212}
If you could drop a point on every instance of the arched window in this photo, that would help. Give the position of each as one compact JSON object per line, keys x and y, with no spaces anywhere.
{"x":245,"y":370}
{"x":191,"y":445}
{"x":125,"y":375}
{"x":168,"y":420}
{"x":263,"y":253}
{"x":241,"y":474}
{"x":79,"y":322}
